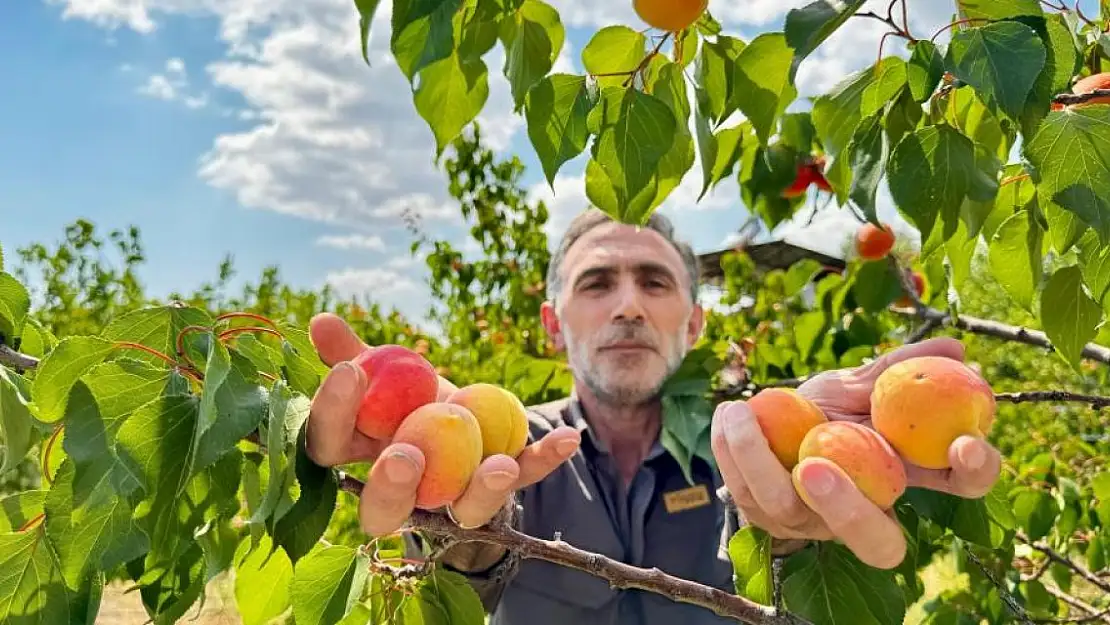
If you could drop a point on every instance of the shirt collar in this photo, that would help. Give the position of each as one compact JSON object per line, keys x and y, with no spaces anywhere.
{"x":576,"y":418}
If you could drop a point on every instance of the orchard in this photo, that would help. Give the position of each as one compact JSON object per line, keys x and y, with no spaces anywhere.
{"x":161,"y":444}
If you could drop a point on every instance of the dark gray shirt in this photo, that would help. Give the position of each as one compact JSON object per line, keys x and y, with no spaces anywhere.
{"x":661,"y":521}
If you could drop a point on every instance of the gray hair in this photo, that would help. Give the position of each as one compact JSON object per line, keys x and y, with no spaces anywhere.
{"x":593,"y":217}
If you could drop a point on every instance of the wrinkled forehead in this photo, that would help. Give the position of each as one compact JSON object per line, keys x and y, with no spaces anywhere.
{"x":623,"y":248}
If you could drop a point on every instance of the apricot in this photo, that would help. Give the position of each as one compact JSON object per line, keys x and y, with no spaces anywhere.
{"x":1091,"y":83}
{"x":399,"y":381}
{"x":501,"y":417}
{"x":923,"y":404}
{"x":785,"y":417}
{"x":863,"y":455}
{"x":670,"y":15}
{"x":451,"y":441}
{"x":918,"y":287}
{"x":873,"y":242}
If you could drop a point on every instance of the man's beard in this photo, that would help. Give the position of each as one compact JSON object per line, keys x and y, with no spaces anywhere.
{"x":615,"y":392}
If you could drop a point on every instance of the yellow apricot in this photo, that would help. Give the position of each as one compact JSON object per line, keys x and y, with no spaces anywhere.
{"x":863,"y":455}
{"x":923,"y":404}
{"x":670,"y":15}
{"x":449,"y":437}
{"x":785,"y":417}
{"x":501,"y":417}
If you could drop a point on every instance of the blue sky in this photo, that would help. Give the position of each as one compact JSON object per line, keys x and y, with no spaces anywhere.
{"x":255,"y":129}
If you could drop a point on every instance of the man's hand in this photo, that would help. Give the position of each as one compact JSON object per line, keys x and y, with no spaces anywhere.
{"x":388,"y":498}
{"x":765,"y":495}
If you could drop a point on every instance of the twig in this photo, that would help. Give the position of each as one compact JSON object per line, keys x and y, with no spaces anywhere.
{"x":1095,"y":401}
{"x":618,"y":574}
{"x":1093,"y":613}
{"x":922,"y":332}
{"x":1066,"y":561}
{"x":1080,"y":98}
{"x":16,"y":360}
{"x":1011,"y":603}
{"x":1092,"y":351}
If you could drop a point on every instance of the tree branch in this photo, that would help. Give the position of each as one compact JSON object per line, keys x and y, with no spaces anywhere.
{"x":16,"y":360}
{"x":1056,"y":556}
{"x":1036,"y":338}
{"x":1080,"y":98}
{"x":1096,"y":401}
{"x":618,"y":574}
{"x":1093,"y":613}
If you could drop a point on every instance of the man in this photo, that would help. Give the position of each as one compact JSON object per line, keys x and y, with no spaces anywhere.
{"x":622,"y":303}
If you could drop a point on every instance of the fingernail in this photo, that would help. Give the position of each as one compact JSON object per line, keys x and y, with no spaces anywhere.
{"x":345,"y":379}
{"x":818,"y":480}
{"x":566,"y":447}
{"x":498,"y":480}
{"x":972,"y":456}
{"x":400,"y":469}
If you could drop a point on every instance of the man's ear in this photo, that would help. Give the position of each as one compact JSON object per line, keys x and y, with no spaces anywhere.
{"x":695,"y":326}
{"x":550,"y":320}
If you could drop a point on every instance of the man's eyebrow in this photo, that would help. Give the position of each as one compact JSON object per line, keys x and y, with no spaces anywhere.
{"x":644,"y":267}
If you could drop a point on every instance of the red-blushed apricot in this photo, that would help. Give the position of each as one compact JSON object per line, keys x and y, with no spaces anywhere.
{"x":451,"y":441}
{"x":863,"y":455}
{"x":873,"y":242}
{"x":501,"y":417}
{"x":785,"y":417}
{"x":922,"y":405}
{"x":399,"y":381}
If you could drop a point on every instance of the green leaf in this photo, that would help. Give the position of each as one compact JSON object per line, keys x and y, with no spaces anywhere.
{"x":423,"y":35}
{"x":761,"y":87}
{"x":1035,"y":511}
{"x":101,"y":402}
{"x":685,"y":419}
{"x":635,"y":130}
{"x":1001,"y":60}
{"x":715,"y":75}
{"x":668,"y":84}
{"x":240,"y":405}
{"x":836,"y":114}
{"x":299,"y":529}
{"x":931,"y":173}
{"x":533,"y":36}
{"x":808,"y":27}
{"x":90,"y":538}
{"x":876,"y":285}
{"x":1071,"y":163}
{"x":750,"y":552}
{"x":556,"y":111}
{"x":445,"y":597}
{"x":924,"y":69}
{"x":719,"y":152}
{"x":998,"y":9}
{"x":156,"y":327}
{"x":1094,"y":263}
{"x":327,"y":584}
{"x":20,"y":508}
{"x":15,"y":301}
{"x":891,"y":80}
{"x":168,"y":596}
{"x":366,"y":10}
{"x":1070,"y":317}
{"x":1015,"y":257}
{"x":32,"y":589}
{"x":287,"y":413}
{"x":614,"y":51}
{"x":868,"y":153}
{"x":798,"y":276}
{"x":60,"y":370}
{"x":451,"y":93}
{"x":827,"y":585}
{"x":16,"y":423}
{"x":263,"y":582}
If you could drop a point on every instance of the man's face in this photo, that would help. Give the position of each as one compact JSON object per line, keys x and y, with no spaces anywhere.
{"x":624,"y":316}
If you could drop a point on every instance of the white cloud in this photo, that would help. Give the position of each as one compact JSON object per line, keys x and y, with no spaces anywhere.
{"x":171,"y":85}
{"x":375,"y":282}
{"x":352,"y":242}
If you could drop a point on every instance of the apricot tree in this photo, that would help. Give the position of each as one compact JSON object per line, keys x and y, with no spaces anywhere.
{"x":170,"y":440}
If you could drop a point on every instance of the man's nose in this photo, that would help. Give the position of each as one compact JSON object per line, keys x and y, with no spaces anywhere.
{"x":630,"y":303}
